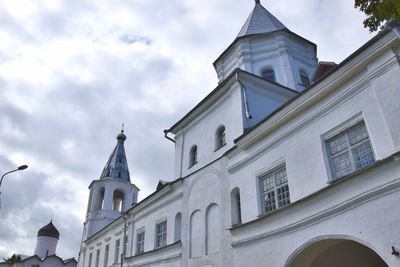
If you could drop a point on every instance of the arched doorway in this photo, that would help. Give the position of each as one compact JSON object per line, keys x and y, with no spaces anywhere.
{"x":336,"y":253}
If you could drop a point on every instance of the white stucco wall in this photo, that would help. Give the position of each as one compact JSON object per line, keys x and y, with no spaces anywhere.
{"x":283,"y":52}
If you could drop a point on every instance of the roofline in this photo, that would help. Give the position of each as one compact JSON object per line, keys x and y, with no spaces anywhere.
{"x":42,"y":260}
{"x":329,"y":74}
{"x":140,"y":203}
{"x":218,"y":88}
{"x":262,"y":35}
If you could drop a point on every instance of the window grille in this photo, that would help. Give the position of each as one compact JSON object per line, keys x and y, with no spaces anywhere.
{"x":140,"y":242}
{"x":274,"y":190}
{"x":350,"y":151}
{"x":161,"y":234}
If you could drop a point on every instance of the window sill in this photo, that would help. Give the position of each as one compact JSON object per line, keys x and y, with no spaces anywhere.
{"x":220,"y":147}
{"x":175,"y":244}
{"x":194,"y":164}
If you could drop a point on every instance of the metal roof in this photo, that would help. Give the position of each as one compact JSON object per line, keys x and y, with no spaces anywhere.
{"x":117,"y":164}
{"x":260,"y":21}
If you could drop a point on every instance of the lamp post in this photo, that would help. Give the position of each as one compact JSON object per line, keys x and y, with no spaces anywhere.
{"x":20,"y":168}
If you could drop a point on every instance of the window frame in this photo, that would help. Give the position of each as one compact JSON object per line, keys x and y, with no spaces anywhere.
{"x":97,"y":261}
{"x":304,"y":76}
{"x":117,"y":251}
{"x":271,"y":73}
{"x":276,"y":201}
{"x":106,"y":255}
{"x":220,"y":137}
{"x":159,"y":243}
{"x":349,"y":149}
{"x":138,"y":251}
{"x":193,"y":156}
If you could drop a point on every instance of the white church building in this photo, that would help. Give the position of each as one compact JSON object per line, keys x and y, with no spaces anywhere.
{"x":288,"y":162}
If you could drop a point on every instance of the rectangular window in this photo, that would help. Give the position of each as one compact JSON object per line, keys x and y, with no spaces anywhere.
{"x":140,"y":242}
{"x":90,"y":259}
{"x":97,"y":258}
{"x":117,"y":250}
{"x":274,"y":189}
{"x":350,"y":151}
{"x":106,"y":252}
{"x":161,"y":234}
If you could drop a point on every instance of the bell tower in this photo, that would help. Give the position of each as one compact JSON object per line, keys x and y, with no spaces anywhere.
{"x":112,"y":194}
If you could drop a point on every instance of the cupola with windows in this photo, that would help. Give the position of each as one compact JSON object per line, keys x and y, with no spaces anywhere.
{"x":267,"y":48}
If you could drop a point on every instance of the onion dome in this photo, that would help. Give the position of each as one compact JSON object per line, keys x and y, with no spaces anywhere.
{"x":49,"y":230}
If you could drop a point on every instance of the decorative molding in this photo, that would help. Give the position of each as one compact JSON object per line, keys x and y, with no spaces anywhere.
{"x":98,"y":244}
{"x":343,"y":126}
{"x":107,"y":239}
{"x":323,"y":86}
{"x":159,"y":206}
{"x":166,"y":259}
{"x":375,"y":193}
{"x":385,"y":67}
{"x":118,"y":233}
{"x":318,"y":114}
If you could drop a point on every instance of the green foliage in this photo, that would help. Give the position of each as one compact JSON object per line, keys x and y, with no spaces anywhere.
{"x":378,"y":12}
{"x":14,"y":259}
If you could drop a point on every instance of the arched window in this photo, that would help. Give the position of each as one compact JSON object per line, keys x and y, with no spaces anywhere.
{"x":118,"y":200}
{"x":100,"y":200}
{"x":268,"y":74}
{"x":178,"y":223}
{"x":236,"y":212}
{"x":305,"y":81}
{"x":220,"y":139}
{"x":193,"y":156}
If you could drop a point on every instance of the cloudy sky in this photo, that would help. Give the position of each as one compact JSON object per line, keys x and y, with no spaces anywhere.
{"x":72,"y":71}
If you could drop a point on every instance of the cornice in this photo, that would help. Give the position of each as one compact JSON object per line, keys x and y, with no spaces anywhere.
{"x":375,"y":193}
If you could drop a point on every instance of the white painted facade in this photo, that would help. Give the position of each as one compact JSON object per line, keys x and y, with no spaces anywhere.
{"x":214,"y":209}
{"x":45,"y":246}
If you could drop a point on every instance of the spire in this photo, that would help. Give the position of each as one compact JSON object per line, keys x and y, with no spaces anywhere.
{"x":260,"y":21}
{"x":117,"y":165}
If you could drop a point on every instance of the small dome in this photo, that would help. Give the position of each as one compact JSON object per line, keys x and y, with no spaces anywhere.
{"x":49,"y":230}
{"x":121,"y":137}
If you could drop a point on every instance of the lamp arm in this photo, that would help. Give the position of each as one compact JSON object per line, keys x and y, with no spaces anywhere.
{"x":2,"y":177}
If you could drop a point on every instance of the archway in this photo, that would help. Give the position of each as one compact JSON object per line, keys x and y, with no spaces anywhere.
{"x":335,"y":253}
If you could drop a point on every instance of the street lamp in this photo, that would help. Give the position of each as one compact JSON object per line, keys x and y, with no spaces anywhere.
{"x":20,"y":168}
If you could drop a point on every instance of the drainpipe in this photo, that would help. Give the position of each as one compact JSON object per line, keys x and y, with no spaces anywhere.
{"x":123,"y":254}
{"x":181,"y":159}
{"x":246,"y":105}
